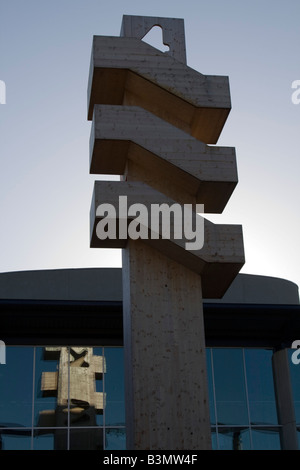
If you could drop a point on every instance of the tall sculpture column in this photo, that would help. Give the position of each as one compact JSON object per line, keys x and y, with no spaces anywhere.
{"x":152,"y":120}
{"x":78,"y":402}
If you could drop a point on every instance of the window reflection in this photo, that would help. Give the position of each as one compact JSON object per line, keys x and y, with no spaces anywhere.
{"x":45,"y":400}
{"x":266,"y":438}
{"x":295,"y":379}
{"x":44,"y":440}
{"x":234,"y":438}
{"x":86,"y":439}
{"x":298,"y":436}
{"x":261,"y":395}
{"x":242,"y":396}
{"x":115,"y":439}
{"x":68,"y":406}
{"x":15,"y":439}
{"x":210,"y":380}
{"x":230,"y":391}
{"x":114,"y":388}
{"x":73,"y":384}
{"x":73,"y":398}
{"x":16,"y":380}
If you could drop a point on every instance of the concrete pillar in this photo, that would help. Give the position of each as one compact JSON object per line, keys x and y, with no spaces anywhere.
{"x":284,"y":400}
{"x":165,"y":369}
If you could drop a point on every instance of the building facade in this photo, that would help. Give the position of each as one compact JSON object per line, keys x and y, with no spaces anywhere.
{"x":62,"y":384}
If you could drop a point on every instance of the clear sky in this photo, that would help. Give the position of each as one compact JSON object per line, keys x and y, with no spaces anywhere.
{"x":45,"y":185}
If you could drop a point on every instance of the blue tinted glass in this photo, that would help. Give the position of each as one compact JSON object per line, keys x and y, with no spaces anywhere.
{"x":15,"y":440}
{"x":46,"y":368}
{"x":230,"y":388}
{"x":114,"y":387}
{"x":99,"y":384}
{"x":115,"y":439}
{"x":16,"y":382}
{"x":210,"y":388}
{"x":265,"y":439}
{"x":295,"y":380}
{"x":34,"y":390}
{"x":298,"y":437}
{"x":44,"y":441}
{"x":260,"y":384}
{"x":214,"y":439}
{"x":234,"y":438}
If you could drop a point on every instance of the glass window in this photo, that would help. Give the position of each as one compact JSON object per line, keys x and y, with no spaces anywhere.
{"x":295,"y":380}
{"x":73,"y":398}
{"x":242,"y":399}
{"x":115,"y":439}
{"x":234,"y":438}
{"x":62,"y":398}
{"x":266,"y":439}
{"x":261,"y":395}
{"x":230,"y":390}
{"x":16,"y":382}
{"x":214,"y":438}
{"x":210,"y":380}
{"x":86,"y":403}
{"x":44,"y":440}
{"x":45,"y":393}
{"x":15,"y":439}
{"x":82,"y":438}
{"x":114,"y":387}
{"x":298,"y":437}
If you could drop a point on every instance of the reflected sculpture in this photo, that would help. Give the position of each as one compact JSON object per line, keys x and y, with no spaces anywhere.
{"x":78,"y":402}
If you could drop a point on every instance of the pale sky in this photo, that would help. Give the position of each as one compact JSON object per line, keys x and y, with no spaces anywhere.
{"x":45,"y":185}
